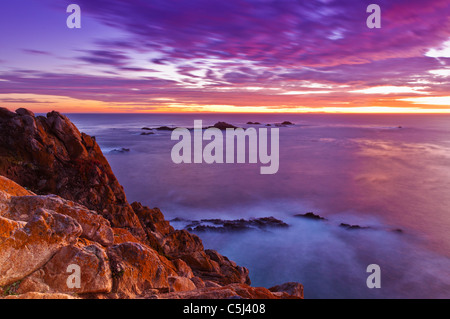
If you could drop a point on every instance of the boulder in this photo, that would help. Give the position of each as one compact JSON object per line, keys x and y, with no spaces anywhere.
{"x":291,"y":288}
{"x":25,"y":247}
{"x":50,"y":156}
{"x":178,"y":283}
{"x":95,"y":273}
{"x":136,"y":269}
{"x":94,"y":226}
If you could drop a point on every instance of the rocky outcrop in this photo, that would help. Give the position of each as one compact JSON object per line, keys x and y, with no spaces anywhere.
{"x":224,"y":225}
{"x":223,"y":125}
{"x":50,"y":156}
{"x":310,"y":215}
{"x":74,"y":213}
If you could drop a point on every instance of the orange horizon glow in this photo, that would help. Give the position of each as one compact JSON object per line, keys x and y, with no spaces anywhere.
{"x":376,"y":105}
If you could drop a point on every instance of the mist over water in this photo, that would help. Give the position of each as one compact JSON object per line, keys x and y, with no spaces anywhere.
{"x":354,"y":169}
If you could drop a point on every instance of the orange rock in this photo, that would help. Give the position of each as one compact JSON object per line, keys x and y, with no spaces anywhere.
{"x":178,"y":283}
{"x":95,"y":227}
{"x":28,"y":248}
{"x":95,"y":273}
{"x":122,"y":235}
{"x":135,"y":269}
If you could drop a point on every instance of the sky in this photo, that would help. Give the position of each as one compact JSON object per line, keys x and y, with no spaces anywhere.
{"x":225,"y":56}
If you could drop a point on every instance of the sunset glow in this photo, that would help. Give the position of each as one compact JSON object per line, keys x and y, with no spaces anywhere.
{"x":288,"y":56}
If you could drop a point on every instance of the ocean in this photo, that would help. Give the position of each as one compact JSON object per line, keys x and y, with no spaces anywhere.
{"x":389,"y":174}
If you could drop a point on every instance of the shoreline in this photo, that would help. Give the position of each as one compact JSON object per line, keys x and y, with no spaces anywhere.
{"x":49,"y":155}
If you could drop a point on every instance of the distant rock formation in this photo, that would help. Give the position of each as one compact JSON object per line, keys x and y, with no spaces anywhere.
{"x":74,"y":211}
{"x":310,"y":215}
{"x":165,"y":128}
{"x":223,"y":125}
{"x":120,"y":151}
{"x":235,"y":225}
{"x":348,"y":226}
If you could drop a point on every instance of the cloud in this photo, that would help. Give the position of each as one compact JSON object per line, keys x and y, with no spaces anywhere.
{"x":36,"y":52}
{"x":107,"y":57}
{"x":310,"y":33}
{"x":203,"y":52}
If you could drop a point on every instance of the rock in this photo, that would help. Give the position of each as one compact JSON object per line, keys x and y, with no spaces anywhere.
{"x":230,"y":272}
{"x":66,"y":132}
{"x":181,"y":242}
{"x":165,"y":128}
{"x":231,"y":291}
{"x":122,"y":150}
{"x":235,"y":225}
{"x":23,"y":111}
{"x":156,"y":227}
{"x":50,"y":156}
{"x":95,"y":273}
{"x":254,"y":123}
{"x":122,"y":236}
{"x":137,"y":268}
{"x":287,"y":123}
{"x":223,"y":125}
{"x":147,"y":133}
{"x":291,"y":288}
{"x":25,"y":247}
{"x":180,"y":284}
{"x":183,"y":269}
{"x":348,"y":226}
{"x":310,"y":215}
{"x":94,"y":226}
{"x":146,"y":128}
{"x":81,"y":216}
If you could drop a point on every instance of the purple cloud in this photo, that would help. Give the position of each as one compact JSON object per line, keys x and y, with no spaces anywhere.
{"x":312,"y":33}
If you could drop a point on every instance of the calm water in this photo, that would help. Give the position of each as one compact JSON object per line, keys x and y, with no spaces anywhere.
{"x":355,"y":169}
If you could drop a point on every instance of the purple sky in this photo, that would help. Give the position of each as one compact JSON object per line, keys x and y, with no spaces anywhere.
{"x":231,"y":56}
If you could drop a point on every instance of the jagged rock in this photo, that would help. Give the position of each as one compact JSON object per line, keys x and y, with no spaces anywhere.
{"x":122,"y":236}
{"x":137,"y":268}
{"x":291,"y":288}
{"x":348,"y":226}
{"x":178,"y":283}
{"x":50,"y":156}
{"x":226,"y":292}
{"x":310,"y":215}
{"x":81,"y":216}
{"x":38,"y":295}
{"x":223,"y":125}
{"x":165,"y":128}
{"x":94,"y":226}
{"x":235,"y":225}
{"x":183,"y":269}
{"x":120,"y":150}
{"x":25,"y":247}
{"x":95,"y":273}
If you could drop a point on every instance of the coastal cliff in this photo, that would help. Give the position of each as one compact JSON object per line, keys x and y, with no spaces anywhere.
{"x":61,"y":205}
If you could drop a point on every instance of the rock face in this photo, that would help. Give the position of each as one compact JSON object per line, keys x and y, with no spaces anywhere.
{"x":50,"y":156}
{"x":74,"y":216}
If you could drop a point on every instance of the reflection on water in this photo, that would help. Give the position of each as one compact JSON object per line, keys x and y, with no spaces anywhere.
{"x":357,"y":169}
